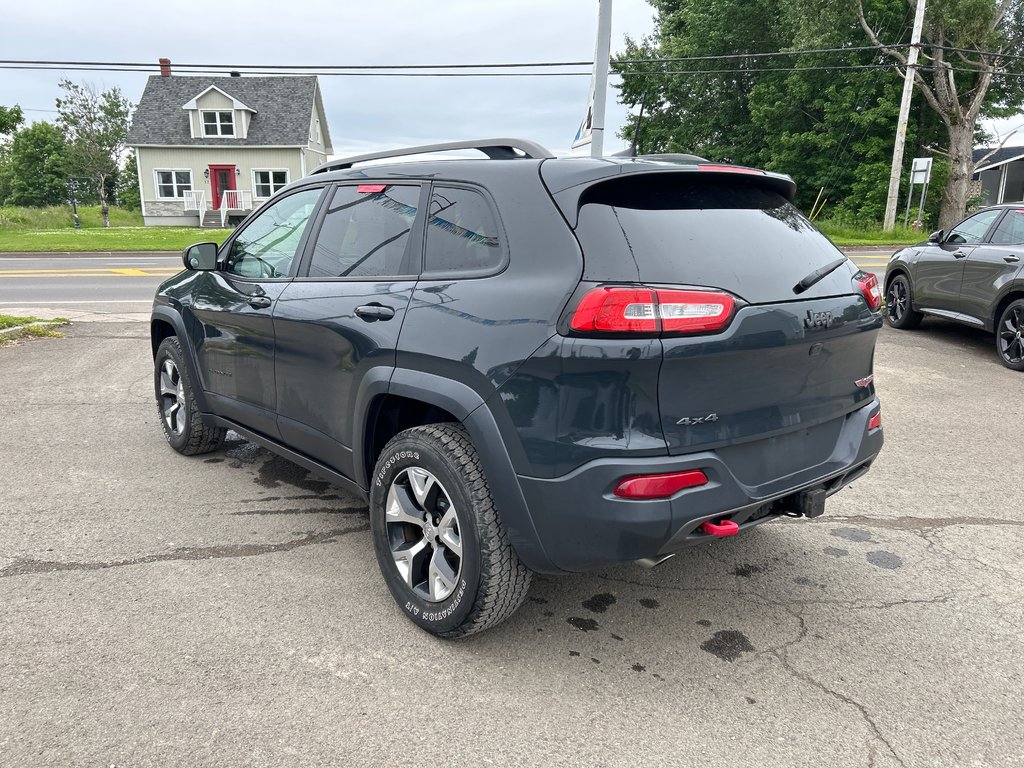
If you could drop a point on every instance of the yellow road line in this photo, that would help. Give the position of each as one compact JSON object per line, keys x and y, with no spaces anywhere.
{"x":97,"y":272}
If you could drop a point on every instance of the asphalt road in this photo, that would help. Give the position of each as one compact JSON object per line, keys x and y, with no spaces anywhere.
{"x":158,"y":610}
{"x":127,"y":284}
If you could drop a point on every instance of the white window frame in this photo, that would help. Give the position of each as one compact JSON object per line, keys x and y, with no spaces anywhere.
{"x":271,"y":171}
{"x":202,"y":122}
{"x":174,"y":182}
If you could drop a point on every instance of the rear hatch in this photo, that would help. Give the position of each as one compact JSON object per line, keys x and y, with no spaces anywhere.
{"x":788,"y":362}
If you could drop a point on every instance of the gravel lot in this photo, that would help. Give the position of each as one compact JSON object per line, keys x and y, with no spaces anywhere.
{"x":227,"y":609}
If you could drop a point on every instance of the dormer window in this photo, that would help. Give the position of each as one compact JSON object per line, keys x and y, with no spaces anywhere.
{"x":219,"y":123}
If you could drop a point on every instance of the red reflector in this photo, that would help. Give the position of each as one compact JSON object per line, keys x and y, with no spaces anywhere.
{"x":648,"y":310}
{"x":875,"y":422}
{"x":659,"y":486}
{"x":366,"y":188}
{"x":729,"y":169}
{"x":867,"y":283}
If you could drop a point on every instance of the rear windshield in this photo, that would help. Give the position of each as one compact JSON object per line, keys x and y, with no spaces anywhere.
{"x":701,"y":229}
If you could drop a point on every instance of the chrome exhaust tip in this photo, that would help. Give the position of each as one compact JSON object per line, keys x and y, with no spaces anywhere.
{"x":652,"y":562}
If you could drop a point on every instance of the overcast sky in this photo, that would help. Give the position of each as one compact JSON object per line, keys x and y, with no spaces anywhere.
{"x":363,"y":112}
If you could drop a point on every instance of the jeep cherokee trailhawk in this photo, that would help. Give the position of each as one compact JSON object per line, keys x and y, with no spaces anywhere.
{"x":528,"y":363}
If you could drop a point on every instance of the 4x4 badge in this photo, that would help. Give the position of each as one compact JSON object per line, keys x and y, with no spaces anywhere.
{"x":692,"y":421}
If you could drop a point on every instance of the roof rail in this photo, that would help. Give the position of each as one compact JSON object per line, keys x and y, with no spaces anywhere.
{"x":495,"y":149}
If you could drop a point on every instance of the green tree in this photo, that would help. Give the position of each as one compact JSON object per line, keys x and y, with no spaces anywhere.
{"x":127,"y":190}
{"x":10,"y":119}
{"x":96,"y":126}
{"x":827,"y":119}
{"x":968,"y":43}
{"x":35,"y":172}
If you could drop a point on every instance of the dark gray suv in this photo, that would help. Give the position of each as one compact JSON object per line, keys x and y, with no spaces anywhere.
{"x":973,"y":274}
{"x":530,"y":364}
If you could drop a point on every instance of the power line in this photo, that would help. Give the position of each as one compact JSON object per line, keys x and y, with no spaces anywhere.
{"x":624,"y":73}
{"x":503,"y":65}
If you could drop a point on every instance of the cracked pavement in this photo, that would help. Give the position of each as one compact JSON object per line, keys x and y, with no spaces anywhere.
{"x":226,"y":609}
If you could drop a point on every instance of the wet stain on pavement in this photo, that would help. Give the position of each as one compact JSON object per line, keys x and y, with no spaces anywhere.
{"x":836,"y":551}
{"x":887,"y":560}
{"x":583,"y":625}
{"x":649,"y":602}
{"x":750,"y":699}
{"x":599,"y":603}
{"x":638,"y":668}
{"x":615,"y":637}
{"x":727,"y":644}
{"x":25,"y":567}
{"x":704,"y":622}
{"x":746,"y":571}
{"x":303,"y":511}
{"x":538,"y":600}
{"x":213,"y":461}
{"x":276,"y":470}
{"x":803,"y":581}
{"x":851,"y":534}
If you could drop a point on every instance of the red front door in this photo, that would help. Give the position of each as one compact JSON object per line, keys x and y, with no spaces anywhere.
{"x":222,"y":178}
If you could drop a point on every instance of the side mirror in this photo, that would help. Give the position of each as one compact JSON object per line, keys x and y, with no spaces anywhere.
{"x":201,"y":256}
{"x":936,"y":236}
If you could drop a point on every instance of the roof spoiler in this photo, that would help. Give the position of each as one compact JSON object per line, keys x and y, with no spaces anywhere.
{"x":495,"y":149}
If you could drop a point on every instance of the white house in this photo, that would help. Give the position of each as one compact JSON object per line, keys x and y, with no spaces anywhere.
{"x":210,"y":149}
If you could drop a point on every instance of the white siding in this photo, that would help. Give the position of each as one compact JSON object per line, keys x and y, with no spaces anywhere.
{"x":199,"y":159}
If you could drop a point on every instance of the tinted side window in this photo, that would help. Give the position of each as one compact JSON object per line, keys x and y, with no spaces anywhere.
{"x":366,"y":233}
{"x":1010,"y":229}
{"x":972,"y":229}
{"x":462,"y":233}
{"x":267,"y":245}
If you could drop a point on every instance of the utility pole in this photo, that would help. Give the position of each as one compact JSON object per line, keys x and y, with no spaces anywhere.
{"x":602,"y":58}
{"x":892,"y":201}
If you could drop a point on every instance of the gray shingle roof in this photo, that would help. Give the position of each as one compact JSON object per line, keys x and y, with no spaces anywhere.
{"x":283,"y":108}
{"x":1000,"y":156}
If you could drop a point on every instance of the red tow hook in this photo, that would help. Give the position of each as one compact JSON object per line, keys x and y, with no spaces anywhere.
{"x":723,"y":528}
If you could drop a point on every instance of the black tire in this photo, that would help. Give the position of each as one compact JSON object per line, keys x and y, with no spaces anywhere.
{"x":176,"y":404}
{"x":899,"y":310}
{"x":1010,"y":336}
{"x":490,"y":583}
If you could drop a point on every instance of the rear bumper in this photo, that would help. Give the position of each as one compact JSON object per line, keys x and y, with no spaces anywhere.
{"x":582,"y":525}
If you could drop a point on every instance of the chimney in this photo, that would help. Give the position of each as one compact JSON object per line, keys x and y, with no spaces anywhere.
{"x":165,"y":67}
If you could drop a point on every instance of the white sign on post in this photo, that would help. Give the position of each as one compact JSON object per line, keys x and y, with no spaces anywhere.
{"x":921,"y":170}
{"x":585,"y":134}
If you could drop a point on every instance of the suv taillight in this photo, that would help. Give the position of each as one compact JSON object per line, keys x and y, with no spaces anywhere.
{"x":867,"y":284}
{"x":652,"y":310}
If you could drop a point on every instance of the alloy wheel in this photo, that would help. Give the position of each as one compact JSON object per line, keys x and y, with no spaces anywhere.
{"x":423,"y":534}
{"x":896,"y":300}
{"x":172,"y":397}
{"x":1011,"y":335}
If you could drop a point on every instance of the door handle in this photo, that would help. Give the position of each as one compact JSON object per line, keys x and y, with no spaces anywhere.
{"x":371,"y":312}
{"x":1011,"y":259}
{"x":959,"y":254}
{"x":259,"y":302}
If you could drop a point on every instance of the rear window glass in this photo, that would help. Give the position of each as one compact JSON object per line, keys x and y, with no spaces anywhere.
{"x":700,"y":229}
{"x":1011,"y":229}
{"x":462,"y":233}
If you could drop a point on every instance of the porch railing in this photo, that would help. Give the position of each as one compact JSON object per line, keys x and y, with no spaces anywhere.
{"x":234,"y":200}
{"x":195,"y":200}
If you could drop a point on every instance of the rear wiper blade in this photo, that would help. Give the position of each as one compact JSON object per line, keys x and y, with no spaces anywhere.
{"x":817,"y":275}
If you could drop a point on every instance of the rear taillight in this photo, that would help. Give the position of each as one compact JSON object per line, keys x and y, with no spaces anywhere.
{"x":652,"y":310}
{"x":875,"y":422}
{"x":867,"y":284}
{"x":659,"y":486}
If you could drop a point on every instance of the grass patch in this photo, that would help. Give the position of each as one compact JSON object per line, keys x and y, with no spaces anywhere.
{"x":52,"y":229}
{"x":113,"y":239}
{"x":31,"y":331}
{"x":60,"y":217}
{"x":846,"y":234}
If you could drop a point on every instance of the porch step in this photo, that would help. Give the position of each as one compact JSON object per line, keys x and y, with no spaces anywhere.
{"x":211,"y":220}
